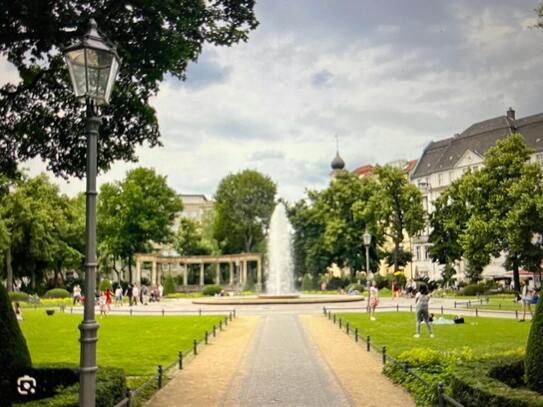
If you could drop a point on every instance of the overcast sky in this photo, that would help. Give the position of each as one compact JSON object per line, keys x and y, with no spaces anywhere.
{"x":387,"y":76}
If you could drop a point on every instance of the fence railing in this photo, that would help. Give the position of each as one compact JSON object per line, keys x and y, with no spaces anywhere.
{"x":443,"y":398}
{"x":159,"y":379}
{"x":162,"y":311}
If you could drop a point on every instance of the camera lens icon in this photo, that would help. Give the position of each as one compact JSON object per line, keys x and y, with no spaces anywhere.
{"x":26,"y":385}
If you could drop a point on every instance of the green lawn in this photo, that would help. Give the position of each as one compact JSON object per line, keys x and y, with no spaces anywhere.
{"x":136,"y":344}
{"x":482,"y":335}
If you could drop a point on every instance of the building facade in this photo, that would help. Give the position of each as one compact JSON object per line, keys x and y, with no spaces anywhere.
{"x":444,"y":161}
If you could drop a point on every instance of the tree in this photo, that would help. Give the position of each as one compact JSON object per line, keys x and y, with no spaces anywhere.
{"x":244,"y":204}
{"x":40,"y":116}
{"x":135,"y":212}
{"x":400,"y":208}
{"x":188,"y":240}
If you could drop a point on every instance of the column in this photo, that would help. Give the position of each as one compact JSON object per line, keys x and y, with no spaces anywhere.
{"x":138,"y":271}
{"x":218,"y":274}
{"x":244,"y":267}
{"x":153,"y":273}
{"x":258,"y":275}
{"x":185,"y":275}
{"x":201,"y":274}
{"x":231,"y":274}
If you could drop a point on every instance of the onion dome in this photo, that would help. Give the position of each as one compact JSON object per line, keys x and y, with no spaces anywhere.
{"x":338,"y":163}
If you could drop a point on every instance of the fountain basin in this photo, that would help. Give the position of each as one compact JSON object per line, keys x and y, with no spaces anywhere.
{"x":278,"y":299}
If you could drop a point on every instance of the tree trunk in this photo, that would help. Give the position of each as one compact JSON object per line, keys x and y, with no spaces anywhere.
{"x":396,"y":249}
{"x":9,"y":271}
{"x":130,"y":269}
{"x":516,"y":276}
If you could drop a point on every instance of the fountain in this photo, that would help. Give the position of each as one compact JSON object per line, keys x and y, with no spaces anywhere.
{"x":280,"y":266}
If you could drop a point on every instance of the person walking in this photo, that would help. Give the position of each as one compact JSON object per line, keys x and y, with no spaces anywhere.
{"x":526,"y":297}
{"x":118,"y":296}
{"x":374,"y":299}
{"x":135,"y":294}
{"x":421,"y":309}
{"x":77,"y":294}
{"x":103,"y":304}
{"x":129,"y":294}
{"x":109,"y":300}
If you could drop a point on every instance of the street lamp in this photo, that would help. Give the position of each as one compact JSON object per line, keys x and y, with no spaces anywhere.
{"x":93,"y":64}
{"x":369,"y":274}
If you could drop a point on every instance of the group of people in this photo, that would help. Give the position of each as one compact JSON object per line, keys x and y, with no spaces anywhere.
{"x":529,"y":296}
{"x":143,"y":294}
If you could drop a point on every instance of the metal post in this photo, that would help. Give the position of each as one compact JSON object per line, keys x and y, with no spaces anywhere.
{"x":329,"y":315}
{"x":340,"y":323}
{"x":334,"y":318}
{"x":356,"y":334}
{"x":200,"y":312}
{"x":476,"y":311}
{"x":89,"y":326}
{"x":369,"y":276}
{"x":324,"y":310}
{"x":368,"y":343}
{"x":397,"y":307}
{"x":516,"y":314}
{"x":162,"y":311}
{"x":405,"y":367}
{"x":347,"y":328}
{"x":442,"y":310}
{"x":410,"y":307}
{"x":234,"y":312}
{"x":160,"y":372}
{"x":230,"y":316}
{"x":180,"y":360}
{"x":455,"y":304}
{"x":130,"y":311}
{"x":220,"y":325}
{"x":195,"y":344}
{"x":129,"y":397}
{"x":206,"y":338}
{"x":214,"y":331}
{"x":384,"y":355}
{"x":225,"y":321}
{"x":440,"y":394}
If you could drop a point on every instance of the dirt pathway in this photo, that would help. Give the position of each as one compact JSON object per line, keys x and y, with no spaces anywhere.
{"x":205,"y":380}
{"x":358,"y":371}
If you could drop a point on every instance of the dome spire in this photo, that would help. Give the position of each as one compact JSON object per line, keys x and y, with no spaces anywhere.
{"x":337,"y":162}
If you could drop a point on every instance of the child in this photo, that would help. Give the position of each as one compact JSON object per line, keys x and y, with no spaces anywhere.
{"x":421,"y":302}
{"x":18,"y":312}
{"x":374,"y":299}
{"x":103,"y":304}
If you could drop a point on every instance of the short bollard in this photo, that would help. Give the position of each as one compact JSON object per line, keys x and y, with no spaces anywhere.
{"x":214,"y":331}
{"x":200,"y":312}
{"x":397,"y":307}
{"x":230,"y":316}
{"x":162,"y":311}
{"x":356,"y":334}
{"x":516,"y":314}
{"x":384,"y":350}
{"x":347,"y":328}
{"x":180,"y":360}
{"x":442,"y":310}
{"x":324,"y":310}
{"x":206,"y":338}
{"x":476,"y":311}
{"x":225,"y":321}
{"x":455,"y":304}
{"x":440,"y":390}
{"x":500,"y":305}
{"x":410,"y":307}
{"x":160,"y":372}
{"x":406,"y":367}
{"x":334,"y":318}
{"x":220,"y":325}
{"x":71,"y":310}
{"x":130,"y":311}
{"x":129,"y":397}
{"x":234,"y":312}
{"x":329,"y":315}
{"x":340,"y":323}
{"x":195,"y":343}
{"x":368,"y":343}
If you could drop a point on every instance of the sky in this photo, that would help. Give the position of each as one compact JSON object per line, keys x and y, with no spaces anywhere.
{"x":386,"y":77}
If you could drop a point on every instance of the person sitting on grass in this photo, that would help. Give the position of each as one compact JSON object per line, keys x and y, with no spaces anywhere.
{"x":421,"y":309}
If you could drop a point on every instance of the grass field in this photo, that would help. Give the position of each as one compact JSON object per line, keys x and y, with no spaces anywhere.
{"x":482,"y":335}
{"x":136,"y":344}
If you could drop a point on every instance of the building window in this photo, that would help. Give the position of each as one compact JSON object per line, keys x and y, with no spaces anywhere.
{"x":417,"y":248}
{"x":440,"y":179}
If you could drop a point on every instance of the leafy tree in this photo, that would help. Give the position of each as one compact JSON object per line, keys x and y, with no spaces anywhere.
{"x":169,"y":285}
{"x":399,"y":207}
{"x":135,"y":212}
{"x":188,"y":240}
{"x":244,"y":203}
{"x":40,"y":116}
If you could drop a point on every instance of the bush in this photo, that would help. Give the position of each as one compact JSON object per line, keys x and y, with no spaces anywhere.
{"x":534,"y":352}
{"x":355,"y":286}
{"x":336,"y":282}
{"x":105,"y":284}
{"x":169,"y":285}
{"x":14,"y":354}
{"x":307,"y":282}
{"x":110,"y":386}
{"x":211,"y":289}
{"x":57,"y":293}
{"x":18,"y":296}
{"x":485,"y":383}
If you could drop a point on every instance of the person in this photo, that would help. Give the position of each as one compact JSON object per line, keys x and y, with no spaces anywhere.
{"x":135,"y":294}
{"x":395,"y":288}
{"x":410,"y":288}
{"x":77,"y":294}
{"x":144,"y":294}
{"x":103,"y":304}
{"x":421,"y":309}
{"x":18,"y":311}
{"x":107,"y":293}
{"x":526,"y":297}
{"x":160,"y":291}
{"x":129,"y":294}
{"x":119,"y":296}
{"x":374,"y":299}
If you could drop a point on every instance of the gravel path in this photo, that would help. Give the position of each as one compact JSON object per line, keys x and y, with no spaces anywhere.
{"x":284,"y":368}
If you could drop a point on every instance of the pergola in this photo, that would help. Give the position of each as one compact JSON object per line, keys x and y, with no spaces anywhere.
{"x":237,"y":267}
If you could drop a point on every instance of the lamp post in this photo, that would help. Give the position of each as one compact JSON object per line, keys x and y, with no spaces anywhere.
{"x":369,"y":274}
{"x":93,"y":64}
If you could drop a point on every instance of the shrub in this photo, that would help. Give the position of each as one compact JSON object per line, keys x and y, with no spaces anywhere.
{"x":211,"y":289}
{"x":473,"y":384}
{"x":110,"y":387}
{"x":336,"y":282}
{"x":534,"y":352}
{"x":105,"y":284}
{"x":250,"y":284}
{"x":169,"y":285}
{"x":57,"y":293}
{"x":14,"y":355}
{"x":355,"y":286}
{"x":18,"y":296}
{"x":307,"y":282}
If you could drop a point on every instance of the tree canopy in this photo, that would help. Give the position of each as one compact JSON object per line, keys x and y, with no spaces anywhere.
{"x":40,"y":116}
{"x":244,"y":203}
{"x":188,"y":240}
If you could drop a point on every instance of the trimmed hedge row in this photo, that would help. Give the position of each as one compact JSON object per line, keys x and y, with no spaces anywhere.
{"x":486,"y":383}
{"x":18,"y":296}
{"x":110,"y":387}
{"x":57,"y":293}
{"x":211,"y":290}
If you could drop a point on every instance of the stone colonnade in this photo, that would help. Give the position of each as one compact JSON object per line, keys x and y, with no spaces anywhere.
{"x":237,"y":267}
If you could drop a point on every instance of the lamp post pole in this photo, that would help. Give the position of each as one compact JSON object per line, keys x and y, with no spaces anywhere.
{"x":89,"y":326}
{"x":369,"y":274}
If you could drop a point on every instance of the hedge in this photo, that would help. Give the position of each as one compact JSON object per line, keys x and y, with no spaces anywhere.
{"x":534,"y":352}
{"x":57,"y":293}
{"x":485,"y":383}
{"x":18,"y":296}
{"x":211,"y":290}
{"x":110,"y":387}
